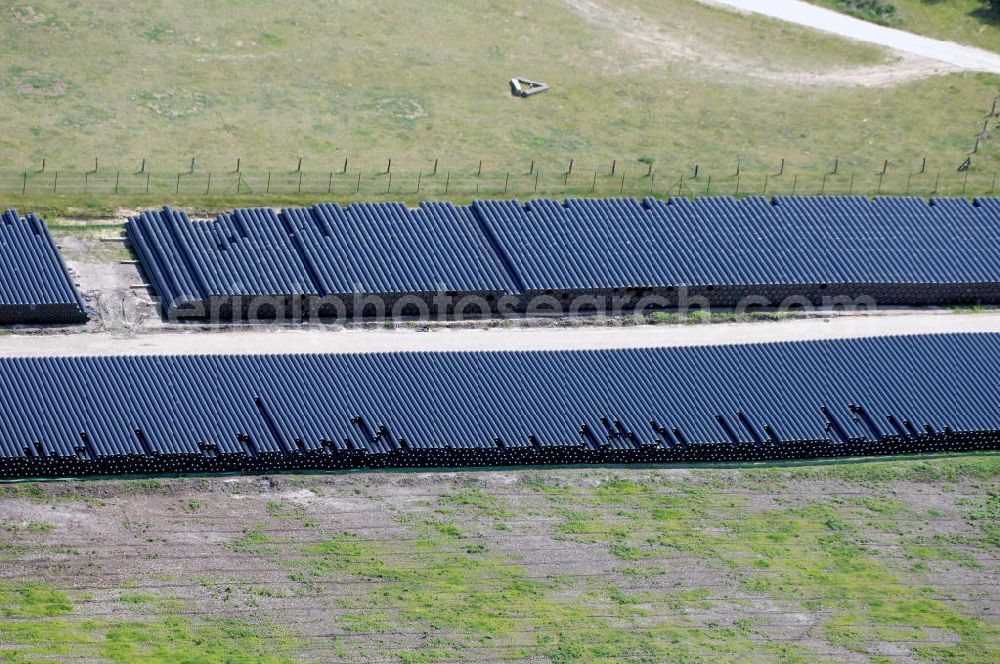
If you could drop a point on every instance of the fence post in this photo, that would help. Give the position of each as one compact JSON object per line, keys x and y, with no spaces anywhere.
{"x":822,"y":187}
{"x":55,"y":182}
{"x":850,"y":187}
{"x":345,"y":165}
{"x":479,"y":171}
{"x":118,"y":175}
{"x":569,"y":171}
{"x":836,"y":166}
{"x":737,"y":192}
{"x":536,"y":182}
{"x":300,"y":182}
{"x":329,"y":185}
{"x":142,"y":169}
{"x":239,"y":181}
{"x":389,"y":187}
{"x":420,"y":176}
{"x":765,"y":184}
{"x":506,"y":183}
{"x":358,"y":190}
{"x":614,"y":164}
{"x":708,"y":187}
{"x":147,"y":182}
{"x":593,"y":185}
{"x":177,"y":189}
{"x":24,"y":184}
{"x":621,"y":189}
{"x":208,"y":185}
{"x":795,"y":183}
{"x":388,"y":167}
{"x":531,"y":170}
{"x":937,"y":181}
{"x":965,"y":183}
{"x":994,"y":186}
{"x":434,"y":174}
{"x":447,"y":183}
{"x":86,"y":181}
{"x":267,"y":187}
{"x":909,"y":179}
{"x":43,"y":165}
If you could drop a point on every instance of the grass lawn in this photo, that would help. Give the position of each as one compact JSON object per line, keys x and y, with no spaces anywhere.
{"x":670,"y":81}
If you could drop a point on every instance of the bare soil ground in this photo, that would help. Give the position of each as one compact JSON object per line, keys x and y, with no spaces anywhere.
{"x":826,"y":563}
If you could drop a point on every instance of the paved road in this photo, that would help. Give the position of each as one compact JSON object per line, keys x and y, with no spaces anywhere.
{"x":802,"y":13}
{"x":320,"y":340}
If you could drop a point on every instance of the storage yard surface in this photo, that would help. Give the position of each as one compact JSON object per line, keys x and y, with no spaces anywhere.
{"x":854,"y":561}
{"x":862,"y":562}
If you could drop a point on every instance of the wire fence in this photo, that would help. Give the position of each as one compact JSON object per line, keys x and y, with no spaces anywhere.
{"x":357,"y":184}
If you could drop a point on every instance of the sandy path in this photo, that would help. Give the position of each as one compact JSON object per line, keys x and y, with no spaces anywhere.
{"x":319,"y":340}
{"x":826,"y":20}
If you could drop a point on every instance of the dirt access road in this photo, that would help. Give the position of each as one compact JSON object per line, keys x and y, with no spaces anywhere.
{"x":318,"y":339}
{"x":826,"y":20}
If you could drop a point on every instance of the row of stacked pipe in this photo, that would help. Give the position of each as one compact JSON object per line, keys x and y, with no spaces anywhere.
{"x":499,"y":256}
{"x":35,"y":286}
{"x":76,"y":416}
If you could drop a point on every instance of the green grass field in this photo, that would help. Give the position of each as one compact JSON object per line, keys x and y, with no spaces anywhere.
{"x":883,"y":561}
{"x":672,"y":81}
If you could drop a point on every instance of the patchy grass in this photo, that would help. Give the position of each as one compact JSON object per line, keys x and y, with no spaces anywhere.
{"x":43,"y":622}
{"x":480,"y":502}
{"x":877,"y":472}
{"x":482,"y":602}
{"x":254,"y":541}
{"x":985,"y":513}
{"x":776,"y":564}
{"x":820,"y":553}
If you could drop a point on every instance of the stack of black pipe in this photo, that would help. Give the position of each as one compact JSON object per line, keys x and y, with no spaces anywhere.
{"x":582,"y":255}
{"x":263,"y":413}
{"x":35,"y":286}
